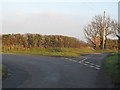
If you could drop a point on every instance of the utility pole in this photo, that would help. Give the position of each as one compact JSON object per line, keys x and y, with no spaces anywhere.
{"x":104,"y":31}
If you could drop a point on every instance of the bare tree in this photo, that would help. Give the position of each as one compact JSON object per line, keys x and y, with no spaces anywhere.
{"x":115,"y":28}
{"x":94,"y":30}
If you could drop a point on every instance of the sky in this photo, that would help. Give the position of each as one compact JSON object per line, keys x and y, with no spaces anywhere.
{"x":52,"y":18}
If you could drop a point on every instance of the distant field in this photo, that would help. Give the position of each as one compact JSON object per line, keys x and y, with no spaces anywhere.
{"x":61,"y":52}
{"x":112,"y":68}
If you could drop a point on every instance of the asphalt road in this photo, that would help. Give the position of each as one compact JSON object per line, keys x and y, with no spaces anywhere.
{"x":33,"y":71}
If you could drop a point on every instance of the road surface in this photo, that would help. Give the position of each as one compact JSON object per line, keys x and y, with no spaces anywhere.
{"x":34,"y":71}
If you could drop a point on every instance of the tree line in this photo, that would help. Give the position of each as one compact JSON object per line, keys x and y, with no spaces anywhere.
{"x":32,"y":41}
{"x":28,"y":41}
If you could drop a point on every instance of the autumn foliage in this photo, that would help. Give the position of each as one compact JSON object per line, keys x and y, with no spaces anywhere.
{"x":28,"y":41}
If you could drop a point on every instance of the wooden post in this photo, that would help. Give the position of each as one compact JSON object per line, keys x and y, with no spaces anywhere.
{"x":104,"y":32}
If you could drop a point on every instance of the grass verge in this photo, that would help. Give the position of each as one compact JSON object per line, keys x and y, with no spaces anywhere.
{"x":60,"y":52}
{"x":112,"y":68}
{"x":3,"y":72}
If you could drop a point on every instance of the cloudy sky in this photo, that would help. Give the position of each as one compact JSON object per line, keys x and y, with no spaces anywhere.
{"x":53,"y":18}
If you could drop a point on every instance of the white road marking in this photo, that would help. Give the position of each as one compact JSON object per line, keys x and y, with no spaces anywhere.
{"x":79,"y":62}
{"x":74,"y":61}
{"x":85,"y":63}
{"x":97,"y":65}
{"x":97,"y":68}
{"x":91,"y":66}
{"x":84,"y":59}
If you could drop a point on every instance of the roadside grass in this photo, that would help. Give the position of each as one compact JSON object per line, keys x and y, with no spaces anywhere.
{"x":107,"y":50}
{"x":3,"y":72}
{"x":0,"y":72}
{"x":61,"y":52}
{"x":58,"y":52}
{"x":112,"y":68}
